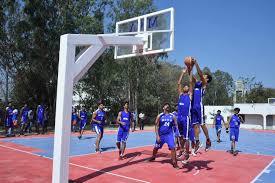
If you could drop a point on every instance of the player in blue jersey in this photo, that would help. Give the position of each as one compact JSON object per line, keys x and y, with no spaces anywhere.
{"x":74,"y":120}
{"x":234,"y":124}
{"x":177,"y":139}
{"x":8,"y":122}
{"x":164,"y":133}
{"x":83,"y":116}
{"x":24,"y":119}
{"x":124,"y":119}
{"x":15,"y":120}
{"x":98,"y":120}
{"x":184,"y":108}
{"x":40,"y":119}
{"x":197,"y":110}
{"x":218,"y":119}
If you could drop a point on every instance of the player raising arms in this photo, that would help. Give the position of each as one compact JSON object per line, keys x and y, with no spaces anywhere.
{"x":98,"y":120}
{"x":197,"y":110}
{"x":124,"y":119}
{"x":184,"y":107}
{"x":164,"y":133}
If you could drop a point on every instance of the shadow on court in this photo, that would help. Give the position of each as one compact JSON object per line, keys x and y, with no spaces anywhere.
{"x":197,"y":165}
{"x":108,"y":148}
{"x":130,"y":157}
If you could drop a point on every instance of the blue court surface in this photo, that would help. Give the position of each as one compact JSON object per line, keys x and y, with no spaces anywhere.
{"x":256,"y":145}
{"x":250,"y":142}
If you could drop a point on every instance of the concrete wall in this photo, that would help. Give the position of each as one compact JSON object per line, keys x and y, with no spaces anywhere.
{"x":253,"y":121}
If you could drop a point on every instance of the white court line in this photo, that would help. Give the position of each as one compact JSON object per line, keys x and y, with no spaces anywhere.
{"x":109,"y":173}
{"x":110,"y":151}
{"x":117,"y":175}
{"x":256,"y":178}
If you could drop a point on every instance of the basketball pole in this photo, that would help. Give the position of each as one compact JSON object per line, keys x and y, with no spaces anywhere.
{"x":71,"y":68}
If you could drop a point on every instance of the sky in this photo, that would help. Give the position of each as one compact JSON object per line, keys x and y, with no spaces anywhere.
{"x":236,"y":36}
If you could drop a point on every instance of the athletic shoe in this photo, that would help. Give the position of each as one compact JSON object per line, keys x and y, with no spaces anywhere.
{"x":193,"y":153}
{"x":79,"y":137}
{"x":235,"y":153}
{"x":186,"y":159}
{"x":207,"y":145}
{"x":152,"y":159}
{"x":176,"y":166}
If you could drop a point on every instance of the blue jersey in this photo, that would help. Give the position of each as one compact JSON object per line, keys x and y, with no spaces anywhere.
{"x":126,"y":118}
{"x":219,"y":119}
{"x":166,"y":122}
{"x":175,"y":113}
{"x":40,"y":112}
{"x":235,"y":121}
{"x":100,"y":116}
{"x":25,"y":112}
{"x":83,"y":116}
{"x":74,"y":116}
{"x":184,"y":106}
{"x":14,"y":116}
{"x":198,"y":94}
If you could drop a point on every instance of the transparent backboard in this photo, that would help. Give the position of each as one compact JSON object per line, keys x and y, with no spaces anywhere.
{"x":155,"y":29}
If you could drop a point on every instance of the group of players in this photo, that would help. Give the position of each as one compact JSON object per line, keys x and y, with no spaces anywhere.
{"x":21,"y":122}
{"x":183,"y":125}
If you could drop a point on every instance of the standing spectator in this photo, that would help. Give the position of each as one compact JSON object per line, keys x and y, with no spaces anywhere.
{"x":24,"y":119}
{"x":8,"y":121}
{"x":40,"y":118}
{"x":141,"y":120}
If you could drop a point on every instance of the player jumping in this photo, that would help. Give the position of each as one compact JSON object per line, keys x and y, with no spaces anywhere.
{"x":197,"y":111}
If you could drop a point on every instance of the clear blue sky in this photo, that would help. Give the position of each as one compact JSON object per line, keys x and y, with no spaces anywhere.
{"x":236,"y":36}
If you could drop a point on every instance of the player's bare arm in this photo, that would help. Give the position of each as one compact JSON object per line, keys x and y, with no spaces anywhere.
{"x":180,"y":79}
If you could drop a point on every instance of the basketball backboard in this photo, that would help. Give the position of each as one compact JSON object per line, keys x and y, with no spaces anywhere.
{"x":156,"y":30}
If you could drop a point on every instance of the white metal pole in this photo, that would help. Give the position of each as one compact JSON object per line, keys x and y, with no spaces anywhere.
{"x":63,"y":111}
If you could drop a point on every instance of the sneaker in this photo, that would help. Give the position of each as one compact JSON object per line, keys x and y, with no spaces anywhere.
{"x":231,"y":151}
{"x":186,"y":159}
{"x":79,"y":137}
{"x":207,"y":145}
{"x":193,"y":153}
{"x":180,"y":155}
{"x":235,"y":153}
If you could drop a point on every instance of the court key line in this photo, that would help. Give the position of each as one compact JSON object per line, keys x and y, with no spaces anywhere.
{"x":264,"y":170}
{"x":110,"y":151}
{"x":122,"y":176}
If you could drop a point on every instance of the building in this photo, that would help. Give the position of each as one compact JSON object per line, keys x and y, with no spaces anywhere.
{"x":256,"y":116}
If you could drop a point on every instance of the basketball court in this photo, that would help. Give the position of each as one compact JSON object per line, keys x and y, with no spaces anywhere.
{"x":48,"y":158}
{"x":30,"y":160}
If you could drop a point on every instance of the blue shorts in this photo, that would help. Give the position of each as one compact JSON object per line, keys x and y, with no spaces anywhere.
{"x":184,"y":126}
{"x":197,"y":116}
{"x":168,"y":139}
{"x":83,"y":124}
{"x":218,"y":128}
{"x":98,"y":129}
{"x":122,"y":135}
{"x":234,"y":134}
{"x":24,"y":120}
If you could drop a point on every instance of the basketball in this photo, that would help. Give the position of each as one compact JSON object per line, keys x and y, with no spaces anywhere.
{"x":189,"y":62}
